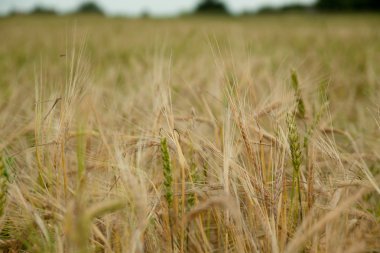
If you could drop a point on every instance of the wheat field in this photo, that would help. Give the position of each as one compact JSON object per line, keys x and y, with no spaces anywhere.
{"x":194,"y":134}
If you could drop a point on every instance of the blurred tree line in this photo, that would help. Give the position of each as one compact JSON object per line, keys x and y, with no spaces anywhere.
{"x":211,"y":7}
{"x":84,"y":8}
{"x":348,"y":5}
{"x":218,"y":7}
{"x":90,"y":7}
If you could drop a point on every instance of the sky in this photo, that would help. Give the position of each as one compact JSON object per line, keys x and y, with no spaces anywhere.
{"x":136,"y":7}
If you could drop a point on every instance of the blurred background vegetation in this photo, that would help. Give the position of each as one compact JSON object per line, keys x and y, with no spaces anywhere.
{"x":218,"y":7}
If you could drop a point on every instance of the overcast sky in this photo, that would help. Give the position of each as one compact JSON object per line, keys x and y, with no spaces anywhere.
{"x":135,"y":7}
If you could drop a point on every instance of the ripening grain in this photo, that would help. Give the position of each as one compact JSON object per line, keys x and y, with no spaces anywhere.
{"x":191,"y":135}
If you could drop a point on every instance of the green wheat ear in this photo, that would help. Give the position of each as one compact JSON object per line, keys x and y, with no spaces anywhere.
{"x":296,"y":157}
{"x":297,"y":90}
{"x":294,"y":142}
{"x":168,"y":177}
{"x":3,"y":184}
{"x":194,"y":178}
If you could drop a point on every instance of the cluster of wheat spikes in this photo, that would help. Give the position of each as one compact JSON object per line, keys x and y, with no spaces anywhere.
{"x":159,"y":157}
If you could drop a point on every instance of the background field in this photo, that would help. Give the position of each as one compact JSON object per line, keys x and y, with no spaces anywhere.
{"x":189,"y":135}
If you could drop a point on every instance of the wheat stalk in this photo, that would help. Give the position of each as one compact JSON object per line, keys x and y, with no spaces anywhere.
{"x":168,"y":183}
{"x":297,"y":90}
{"x":296,"y":158}
{"x":167,"y":169}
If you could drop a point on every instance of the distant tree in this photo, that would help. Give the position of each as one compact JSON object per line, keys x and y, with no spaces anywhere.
{"x":264,"y":10}
{"x":295,"y":8}
{"x":349,"y":5}
{"x":38,"y":10}
{"x":145,"y":14}
{"x":90,"y":8}
{"x":211,"y":7}
{"x":285,"y":9}
{"x":42,"y":11}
